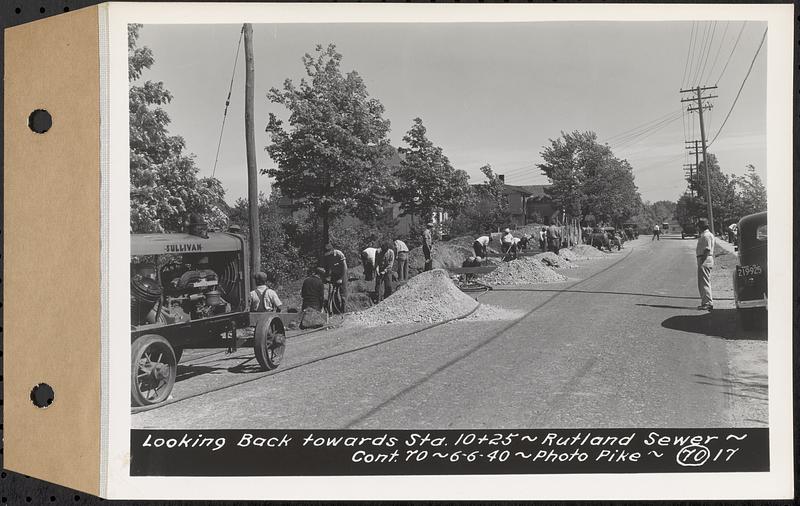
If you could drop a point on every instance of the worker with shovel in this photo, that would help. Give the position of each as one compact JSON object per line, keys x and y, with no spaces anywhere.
{"x":481,"y":244}
{"x":509,"y":245}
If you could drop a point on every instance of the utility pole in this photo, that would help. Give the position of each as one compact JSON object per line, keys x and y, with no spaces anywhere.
{"x":694,"y":149}
{"x":250,"y":143}
{"x":698,"y":91}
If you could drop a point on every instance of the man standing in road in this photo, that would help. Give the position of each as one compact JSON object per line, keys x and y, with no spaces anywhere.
{"x":427,"y":246}
{"x":402,"y":260}
{"x":385,"y":262}
{"x":656,"y":233}
{"x":705,"y":261}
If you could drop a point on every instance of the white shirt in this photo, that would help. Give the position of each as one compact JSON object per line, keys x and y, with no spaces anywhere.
{"x":483,"y":240}
{"x":400,"y":246}
{"x":271,"y":300}
{"x":656,"y":228}
{"x":706,"y":242}
{"x":508,"y":238}
{"x":371,"y":252}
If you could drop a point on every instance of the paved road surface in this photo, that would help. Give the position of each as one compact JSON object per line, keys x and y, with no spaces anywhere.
{"x":618,"y":345}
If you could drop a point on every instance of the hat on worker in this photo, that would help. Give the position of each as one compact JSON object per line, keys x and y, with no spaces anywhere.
{"x":429,"y":224}
{"x":506,"y":230}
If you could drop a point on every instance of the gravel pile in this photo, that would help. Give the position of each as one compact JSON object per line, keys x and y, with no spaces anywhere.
{"x":550,"y":259}
{"x":568,"y":255}
{"x":524,"y":271}
{"x":427,"y":297}
{"x":584,"y":250}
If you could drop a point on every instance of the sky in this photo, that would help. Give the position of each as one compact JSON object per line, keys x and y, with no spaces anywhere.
{"x":487,"y":92}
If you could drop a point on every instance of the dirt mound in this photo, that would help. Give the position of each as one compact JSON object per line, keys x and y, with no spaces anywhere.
{"x":524,"y":271}
{"x":568,"y":255}
{"x":427,"y":297}
{"x":550,"y":259}
{"x":586,"y":251}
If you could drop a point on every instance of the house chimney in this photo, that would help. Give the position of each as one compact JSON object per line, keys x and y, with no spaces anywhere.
{"x":502,"y":178}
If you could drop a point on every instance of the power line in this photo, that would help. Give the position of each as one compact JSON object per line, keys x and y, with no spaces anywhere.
{"x":688,"y":50}
{"x":695,"y":74}
{"x":632,"y":139}
{"x":643,"y":127}
{"x":763,"y":38}
{"x":732,"y":50}
{"x":227,"y":103}
{"x":708,"y":51}
{"x":719,"y":49}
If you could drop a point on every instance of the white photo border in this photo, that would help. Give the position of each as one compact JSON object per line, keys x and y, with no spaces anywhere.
{"x":775,"y":484}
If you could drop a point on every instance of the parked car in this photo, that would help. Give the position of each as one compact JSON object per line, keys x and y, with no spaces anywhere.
{"x":688,"y":230}
{"x":750,"y":275}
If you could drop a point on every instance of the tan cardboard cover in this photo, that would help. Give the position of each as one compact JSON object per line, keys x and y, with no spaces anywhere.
{"x":52,"y":249}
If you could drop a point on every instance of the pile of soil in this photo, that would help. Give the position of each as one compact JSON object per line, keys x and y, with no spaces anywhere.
{"x":524,"y":271}
{"x":586,"y":251}
{"x":427,"y":297}
{"x":550,"y":259}
{"x":569,"y":255}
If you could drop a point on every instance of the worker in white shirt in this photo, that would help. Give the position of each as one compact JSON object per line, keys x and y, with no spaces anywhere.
{"x":402,"y":259}
{"x":481,"y":244}
{"x":368,"y":262}
{"x":263,"y":298}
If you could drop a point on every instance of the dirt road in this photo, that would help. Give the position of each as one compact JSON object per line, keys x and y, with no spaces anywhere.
{"x":620,"y":344}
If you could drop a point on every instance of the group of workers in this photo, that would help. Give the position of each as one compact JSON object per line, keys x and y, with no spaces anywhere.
{"x":379,"y":265}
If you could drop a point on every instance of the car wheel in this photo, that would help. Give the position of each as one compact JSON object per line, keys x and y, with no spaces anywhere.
{"x":153,"y":370}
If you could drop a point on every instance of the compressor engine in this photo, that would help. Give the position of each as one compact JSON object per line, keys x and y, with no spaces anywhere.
{"x":180,"y":292}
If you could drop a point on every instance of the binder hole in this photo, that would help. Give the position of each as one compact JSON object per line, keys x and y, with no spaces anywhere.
{"x":66,"y":9}
{"x":17,"y":10}
{"x":41,"y":10}
{"x":42,"y":395}
{"x":52,"y":498}
{"x":40,"y":121}
{"x":76,"y":498}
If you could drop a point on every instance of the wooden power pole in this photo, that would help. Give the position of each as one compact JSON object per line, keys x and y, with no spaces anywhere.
{"x":698,"y":91}
{"x":250,"y":142}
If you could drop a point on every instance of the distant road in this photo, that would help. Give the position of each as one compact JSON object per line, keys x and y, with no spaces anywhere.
{"x":619,"y":345}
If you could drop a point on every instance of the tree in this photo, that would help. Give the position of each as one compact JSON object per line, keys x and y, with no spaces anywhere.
{"x":333,"y":157}
{"x":165,"y":188}
{"x":752,"y":193}
{"x":565,"y":164}
{"x":426,"y":180}
{"x":611,"y":194}
{"x":688,"y":209}
{"x":493,"y":204}
{"x":723,"y":192}
{"x":282,"y":257}
{"x":587,"y":179}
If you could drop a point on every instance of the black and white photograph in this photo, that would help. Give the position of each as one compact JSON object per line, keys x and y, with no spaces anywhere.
{"x":438,"y":228}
